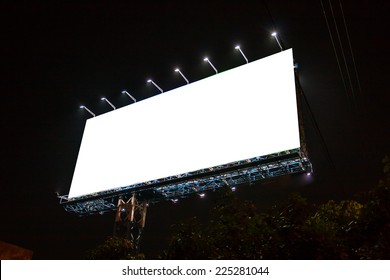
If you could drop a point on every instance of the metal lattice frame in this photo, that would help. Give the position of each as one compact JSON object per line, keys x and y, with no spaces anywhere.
{"x":130,"y":219}
{"x":182,"y":185}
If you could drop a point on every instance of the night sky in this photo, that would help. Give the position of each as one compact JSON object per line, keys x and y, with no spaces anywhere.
{"x":56,"y":57}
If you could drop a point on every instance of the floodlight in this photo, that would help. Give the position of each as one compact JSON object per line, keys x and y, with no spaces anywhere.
{"x":89,"y":111}
{"x":238,"y":48}
{"x":129,"y":95}
{"x":178,"y":70}
{"x":160,"y":89}
{"x":202,"y":195}
{"x":274,"y":34}
{"x":105,"y":99}
{"x":208,"y":60}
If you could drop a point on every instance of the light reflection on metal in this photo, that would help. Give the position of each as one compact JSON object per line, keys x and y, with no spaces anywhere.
{"x":208,"y":60}
{"x":89,"y":111}
{"x":178,"y":71}
{"x":238,"y":48}
{"x":109,"y":103}
{"x":160,"y":89}
{"x":182,"y":185}
{"x":275,"y":35}
{"x":129,"y":95}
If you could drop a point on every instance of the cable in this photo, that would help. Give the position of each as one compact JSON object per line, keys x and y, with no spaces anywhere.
{"x":270,"y":15}
{"x":335,"y":51}
{"x":350,"y":48}
{"x":342,"y":52}
{"x":364,"y":125}
{"x":317,"y":128}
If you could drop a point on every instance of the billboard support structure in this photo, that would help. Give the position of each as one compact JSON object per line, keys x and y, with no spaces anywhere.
{"x":301,"y":122}
{"x":238,"y":173}
{"x":130,"y":219}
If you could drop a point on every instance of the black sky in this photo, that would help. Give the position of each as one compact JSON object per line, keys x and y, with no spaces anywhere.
{"x":58,"y":56}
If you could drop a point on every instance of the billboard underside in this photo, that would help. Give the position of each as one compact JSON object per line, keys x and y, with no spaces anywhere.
{"x":235,"y":115}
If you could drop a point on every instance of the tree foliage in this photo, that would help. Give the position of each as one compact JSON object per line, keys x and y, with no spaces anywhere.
{"x":373,"y":227}
{"x":115,"y":248}
{"x":295,"y":229}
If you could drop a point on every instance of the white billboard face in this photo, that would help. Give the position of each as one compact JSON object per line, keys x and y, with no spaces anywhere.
{"x":238,"y":114}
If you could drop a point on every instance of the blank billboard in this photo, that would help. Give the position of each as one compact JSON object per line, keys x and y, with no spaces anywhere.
{"x":238,"y":114}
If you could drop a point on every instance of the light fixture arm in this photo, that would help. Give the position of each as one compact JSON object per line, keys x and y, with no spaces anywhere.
{"x":215,"y":69}
{"x":274,"y":34}
{"x":160,"y":89}
{"x":105,"y":99}
{"x":89,"y":111}
{"x":129,"y":95}
{"x":178,"y":70}
{"x":243,"y":55}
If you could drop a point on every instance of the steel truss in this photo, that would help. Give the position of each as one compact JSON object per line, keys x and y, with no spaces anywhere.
{"x":130,"y":219}
{"x":182,"y":185}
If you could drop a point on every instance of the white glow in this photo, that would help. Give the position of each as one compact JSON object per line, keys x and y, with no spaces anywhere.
{"x":177,"y":70}
{"x":149,"y":81}
{"x":274,"y":34}
{"x":81,"y":107}
{"x":238,"y":114}
{"x":205,"y":59}
{"x":237,"y":47}
{"x":102,"y":98}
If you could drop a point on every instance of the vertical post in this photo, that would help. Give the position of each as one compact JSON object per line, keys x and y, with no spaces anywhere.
{"x":133,"y":207}
{"x":144,"y":210}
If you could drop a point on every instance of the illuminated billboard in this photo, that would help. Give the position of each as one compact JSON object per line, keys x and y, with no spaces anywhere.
{"x":238,"y":114}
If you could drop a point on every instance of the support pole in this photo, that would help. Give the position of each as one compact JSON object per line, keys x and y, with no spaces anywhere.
{"x":130,"y":219}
